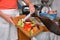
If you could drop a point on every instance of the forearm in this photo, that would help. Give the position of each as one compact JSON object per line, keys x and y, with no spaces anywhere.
{"x":2,"y":14}
{"x":51,"y":25}
{"x":27,"y":2}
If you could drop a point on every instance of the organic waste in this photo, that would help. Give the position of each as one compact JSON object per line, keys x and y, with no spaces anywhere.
{"x":29,"y":26}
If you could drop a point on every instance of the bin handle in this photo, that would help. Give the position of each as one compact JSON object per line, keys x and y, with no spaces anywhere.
{"x":29,"y":15}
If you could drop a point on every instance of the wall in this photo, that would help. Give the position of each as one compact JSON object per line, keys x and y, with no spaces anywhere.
{"x":56,"y":6}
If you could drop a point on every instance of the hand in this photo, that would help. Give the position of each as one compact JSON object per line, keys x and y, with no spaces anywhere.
{"x":31,"y":8}
{"x":8,"y":18}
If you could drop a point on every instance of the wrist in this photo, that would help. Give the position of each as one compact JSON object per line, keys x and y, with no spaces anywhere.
{"x":28,"y":2}
{"x":1,"y":13}
{"x":31,"y":5}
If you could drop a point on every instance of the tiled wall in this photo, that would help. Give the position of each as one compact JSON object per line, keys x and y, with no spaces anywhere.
{"x":56,"y":6}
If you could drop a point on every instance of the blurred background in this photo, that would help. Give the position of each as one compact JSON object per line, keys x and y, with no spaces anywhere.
{"x":54,"y":5}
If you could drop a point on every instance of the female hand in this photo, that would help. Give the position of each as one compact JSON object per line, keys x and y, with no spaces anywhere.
{"x":31,"y":8}
{"x":8,"y":18}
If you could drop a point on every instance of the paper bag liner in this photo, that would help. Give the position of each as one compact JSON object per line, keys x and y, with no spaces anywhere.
{"x":16,"y":19}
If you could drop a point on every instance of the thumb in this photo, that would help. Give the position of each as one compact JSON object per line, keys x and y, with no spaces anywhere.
{"x":11,"y":21}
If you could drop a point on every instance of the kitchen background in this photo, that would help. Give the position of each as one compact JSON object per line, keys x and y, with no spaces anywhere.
{"x":55,"y":5}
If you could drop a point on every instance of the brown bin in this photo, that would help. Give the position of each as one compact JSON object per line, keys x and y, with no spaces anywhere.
{"x":23,"y":35}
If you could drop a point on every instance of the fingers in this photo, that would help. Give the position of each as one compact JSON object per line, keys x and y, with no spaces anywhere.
{"x":32,"y":9}
{"x":11,"y":21}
